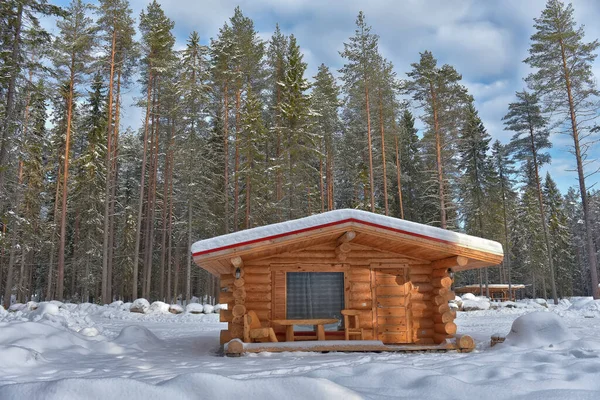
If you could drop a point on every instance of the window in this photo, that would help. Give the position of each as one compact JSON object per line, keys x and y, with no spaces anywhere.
{"x":315,"y":295}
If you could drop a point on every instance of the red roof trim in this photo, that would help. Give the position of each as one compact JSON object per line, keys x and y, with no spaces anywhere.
{"x":343,"y":221}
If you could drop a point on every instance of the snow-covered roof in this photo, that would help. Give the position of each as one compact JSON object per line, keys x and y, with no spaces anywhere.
{"x":332,"y":218}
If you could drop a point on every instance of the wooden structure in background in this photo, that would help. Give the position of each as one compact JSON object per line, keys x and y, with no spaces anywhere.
{"x":498,"y":292}
{"x":397,"y":280}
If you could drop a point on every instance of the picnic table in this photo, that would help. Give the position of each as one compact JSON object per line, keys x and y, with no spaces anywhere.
{"x":318,"y":323}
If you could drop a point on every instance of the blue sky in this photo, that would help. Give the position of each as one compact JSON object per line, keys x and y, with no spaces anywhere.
{"x":485,"y":41}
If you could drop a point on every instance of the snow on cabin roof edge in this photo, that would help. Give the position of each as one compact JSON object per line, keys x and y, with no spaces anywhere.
{"x":339,"y":216}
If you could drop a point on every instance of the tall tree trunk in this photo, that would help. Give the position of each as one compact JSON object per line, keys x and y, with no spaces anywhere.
{"x":590,"y":247}
{"x":438,"y":153}
{"x":236,"y":165}
{"x":108,"y":183}
{"x":506,"y":239}
{"x":321,"y":184}
{"x":371,"y":182}
{"x":226,"y":160}
{"x":176,"y":280}
{"x":52,"y":248}
{"x":170,"y":235}
{"x":382,"y":129}
{"x":166,"y":201}
{"x":543,"y":218}
{"x":399,"y":178}
{"x":10,"y":98}
{"x":329,"y":176}
{"x":63,"y":217}
{"x":136,"y":256}
{"x":188,"y":268}
{"x":13,"y":246}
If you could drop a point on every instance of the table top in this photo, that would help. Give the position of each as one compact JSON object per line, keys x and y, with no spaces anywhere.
{"x":318,"y":321}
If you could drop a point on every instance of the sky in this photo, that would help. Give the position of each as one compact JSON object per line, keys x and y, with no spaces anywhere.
{"x":484,"y":40}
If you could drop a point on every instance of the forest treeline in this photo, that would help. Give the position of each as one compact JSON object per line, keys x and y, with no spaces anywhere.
{"x":236,"y":135}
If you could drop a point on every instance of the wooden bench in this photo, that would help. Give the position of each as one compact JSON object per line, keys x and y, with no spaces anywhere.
{"x":318,"y":323}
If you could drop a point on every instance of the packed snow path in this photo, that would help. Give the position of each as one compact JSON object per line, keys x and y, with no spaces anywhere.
{"x":162,"y":356}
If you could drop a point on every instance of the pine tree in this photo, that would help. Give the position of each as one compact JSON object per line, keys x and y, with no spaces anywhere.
{"x":439,"y":92}
{"x":525,"y":118}
{"x":361,"y":53}
{"x":74,"y":49}
{"x":326,"y":123}
{"x":561,"y":237}
{"x":300,"y":147}
{"x":477,"y":180}
{"x":157,"y":43}
{"x":564,"y":77}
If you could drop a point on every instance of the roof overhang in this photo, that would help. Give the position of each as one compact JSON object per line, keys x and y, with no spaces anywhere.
{"x":407,"y":239}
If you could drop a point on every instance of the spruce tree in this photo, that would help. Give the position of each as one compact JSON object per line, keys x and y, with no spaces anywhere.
{"x":439,"y":92}
{"x":358,"y":74}
{"x":525,"y":118}
{"x":326,"y":123}
{"x":411,"y":168}
{"x":563,"y":76}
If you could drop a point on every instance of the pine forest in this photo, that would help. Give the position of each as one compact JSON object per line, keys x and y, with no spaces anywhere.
{"x":235,"y":134}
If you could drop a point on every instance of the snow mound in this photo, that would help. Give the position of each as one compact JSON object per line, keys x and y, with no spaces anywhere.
{"x":2,"y":310}
{"x":175,"y":309}
{"x":159,"y":307}
{"x":140,"y":306}
{"x":189,"y":386}
{"x":19,"y":357}
{"x":538,"y":329}
{"x":137,"y":337}
{"x":468,"y":296}
{"x":17,"y":307}
{"x":208,"y":309}
{"x":43,"y":309}
{"x":194,"y":308}
{"x":116,"y":304}
{"x":220,"y":307}
{"x":586,"y":304}
{"x":478,"y":303}
{"x":31,"y":305}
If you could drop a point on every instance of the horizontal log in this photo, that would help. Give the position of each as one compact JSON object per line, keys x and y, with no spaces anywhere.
{"x":257,"y":279}
{"x":457,"y":261}
{"x":423,"y":287}
{"x":444,"y":282}
{"x":391,"y":338}
{"x":235,"y":347}
{"x":424,"y":341}
{"x":225,"y":316}
{"x":465,"y":342}
{"x":420,"y":278}
{"x":362,"y":295}
{"x":392,"y":328}
{"x":444,"y":318}
{"x":422,"y":323}
{"x":389,"y":279}
{"x":226,"y":280}
{"x":393,"y":321}
{"x":440,"y":290}
{"x":420,"y":305}
{"x":257,"y":296}
{"x":425,"y":332}
{"x":416,"y":296}
{"x":360,"y":304}
{"x":439,"y":337}
{"x":224,"y":336}
{"x":390,"y":290}
{"x":237,"y":262}
{"x":398,"y":301}
{"x":239,"y":282}
{"x":258,"y":305}
{"x":439,"y":273}
{"x":345,"y":238}
{"x":418,"y":270}
{"x":225,"y":297}
{"x":422,"y":313}
{"x":258,"y":288}
{"x":239,"y":293}
{"x":447,"y":328}
{"x":237,"y":320}
{"x":442,"y":308}
{"x":236,"y":330}
{"x":360,"y":287}
{"x":391,"y":312}
{"x":238,"y":310}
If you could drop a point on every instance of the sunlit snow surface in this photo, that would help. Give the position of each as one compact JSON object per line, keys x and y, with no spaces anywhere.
{"x":91,"y":352}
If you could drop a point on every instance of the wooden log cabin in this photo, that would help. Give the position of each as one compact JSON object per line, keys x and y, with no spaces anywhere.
{"x":397,"y":274}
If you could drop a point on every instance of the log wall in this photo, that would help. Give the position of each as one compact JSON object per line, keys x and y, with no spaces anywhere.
{"x":414,"y":310}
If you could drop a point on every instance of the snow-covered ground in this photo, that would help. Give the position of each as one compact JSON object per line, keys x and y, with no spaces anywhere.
{"x":92,"y":352}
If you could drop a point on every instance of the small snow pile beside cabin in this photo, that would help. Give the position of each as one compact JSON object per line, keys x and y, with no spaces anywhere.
{"x":352,"y":274}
